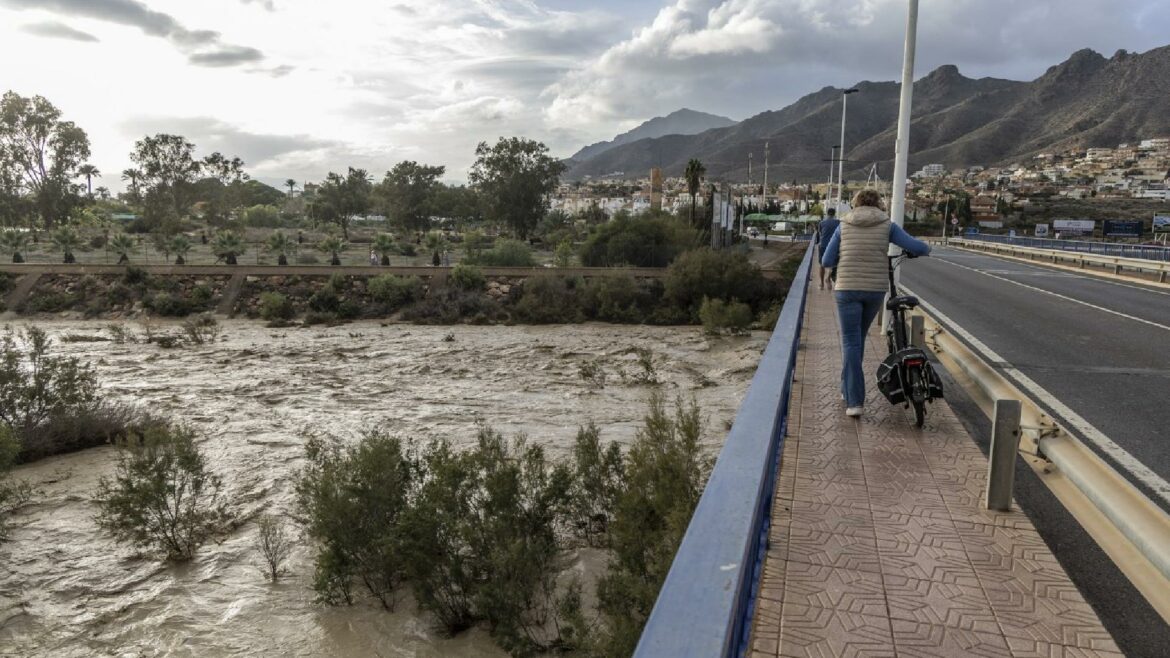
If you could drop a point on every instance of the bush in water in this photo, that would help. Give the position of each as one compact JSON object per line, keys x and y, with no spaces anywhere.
{"x":718,"y":316}
{"x":162,"y":494}
{"x":598,"y":474}
{"x":395,"y":291}
{"x":274,"y":545}
{"x":275,"y":307}
{"x":12,"y":494}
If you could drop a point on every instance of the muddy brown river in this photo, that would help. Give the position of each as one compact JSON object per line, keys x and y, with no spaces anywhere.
{"x":66,"y":589}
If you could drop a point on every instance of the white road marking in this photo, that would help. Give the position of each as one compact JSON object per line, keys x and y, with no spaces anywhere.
{"x":1083,"y":277}
{"x":1072,"y":419}
{"x":1060,"y":296}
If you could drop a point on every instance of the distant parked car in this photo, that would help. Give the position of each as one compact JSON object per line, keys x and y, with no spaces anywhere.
{"x":755,"y":233}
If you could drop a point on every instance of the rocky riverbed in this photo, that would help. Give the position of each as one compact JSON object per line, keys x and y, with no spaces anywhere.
{"x":255,"y":395}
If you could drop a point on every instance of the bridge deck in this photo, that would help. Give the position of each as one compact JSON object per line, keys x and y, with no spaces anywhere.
{"x":880,"y":546}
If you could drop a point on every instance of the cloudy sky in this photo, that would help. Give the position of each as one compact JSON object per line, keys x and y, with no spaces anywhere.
{"x":301,"y":87}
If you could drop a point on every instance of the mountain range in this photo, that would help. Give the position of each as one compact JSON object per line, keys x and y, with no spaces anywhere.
{"x":680,"y":122}
{"x":1088,"y":100}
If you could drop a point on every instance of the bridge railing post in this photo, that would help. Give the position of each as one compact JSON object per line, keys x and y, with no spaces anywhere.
{"x":1001,"y":462}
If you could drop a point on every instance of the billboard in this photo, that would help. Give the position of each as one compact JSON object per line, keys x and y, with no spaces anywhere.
{"x":1074,"y":226}
{"x":1041,"y":231}
{"x":1122,"y":229}
{"x":989,"y":224}
{"x":1161,"y":223}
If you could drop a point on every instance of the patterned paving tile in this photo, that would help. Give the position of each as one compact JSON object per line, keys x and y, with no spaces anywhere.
{"x":879,"y":545}
{"x":931,"y":641}
{"x":809,"y":632}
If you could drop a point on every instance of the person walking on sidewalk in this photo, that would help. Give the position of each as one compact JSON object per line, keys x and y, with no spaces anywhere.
{"x":858,"y":250}
{"x":825,"y":230}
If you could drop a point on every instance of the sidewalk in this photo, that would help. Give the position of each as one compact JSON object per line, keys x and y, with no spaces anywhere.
{"x":880,"y":546}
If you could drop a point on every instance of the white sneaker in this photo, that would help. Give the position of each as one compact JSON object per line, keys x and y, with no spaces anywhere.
{"x":854,"y":411}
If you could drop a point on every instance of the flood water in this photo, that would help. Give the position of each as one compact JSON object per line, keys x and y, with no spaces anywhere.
{"x":66,"y":589}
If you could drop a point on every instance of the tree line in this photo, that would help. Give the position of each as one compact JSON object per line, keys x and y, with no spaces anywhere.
{"x":47,"y":181}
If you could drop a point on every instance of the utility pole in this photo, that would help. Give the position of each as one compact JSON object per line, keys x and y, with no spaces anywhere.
{"x":764,"y":196}
{"x":749,"y":189}
{"x":829,"y":189}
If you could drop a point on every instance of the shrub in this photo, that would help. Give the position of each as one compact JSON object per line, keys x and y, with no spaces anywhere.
{"x":307,"y":258}
{"x":325,"y":300}
{"x":103,"y":423}
{"x":563,"y":256}
{"x":646,"y":372}
{"x":275,"y":307}
{"x":395,"y":291}
{"x":452,"y":306}
{"x":637,"y":241}
{"x":592,"y":373}
{"x":161,"y":495}
{"x":201,"y":296}
{"x":48,"y":302}
{"x":549,"y":299}
{"x":596,"y":484}
{"x":36,"y":386}
{"x":135,"y":276}
{"x":467,"y":277}
{"x":353,"y":499}
{"x":168,"y":305}
{"x":507,"y":253}
{"x":617,"y":299}
{"x":12,"y":494}
{"x":717,"y":274}
{"x":718,"y":316}
{"x":274,"y":546}
{"x":201,"y":329}
{"x":664,"y":477}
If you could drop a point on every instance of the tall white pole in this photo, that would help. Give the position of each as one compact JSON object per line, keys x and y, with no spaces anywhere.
{"x":764,"y":196}
{"x":829,"y":189}
{"x":902,"y":145}
{"x":841,"y":160}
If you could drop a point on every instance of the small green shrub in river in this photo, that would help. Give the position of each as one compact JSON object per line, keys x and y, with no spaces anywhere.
{"x":162,"y":494}
{"x":718,"y":316}
{"x":12,"y":494}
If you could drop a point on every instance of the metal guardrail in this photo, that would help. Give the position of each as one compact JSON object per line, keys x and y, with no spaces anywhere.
{"x":1143,"y":252}
{"x":1080,"y":259}
{"x":704,"y":608}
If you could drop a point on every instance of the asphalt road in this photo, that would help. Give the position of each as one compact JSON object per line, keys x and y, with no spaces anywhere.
{"x":1103,"y":350}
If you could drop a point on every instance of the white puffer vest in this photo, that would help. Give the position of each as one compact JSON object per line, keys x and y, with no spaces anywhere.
{"x":865,"y":240}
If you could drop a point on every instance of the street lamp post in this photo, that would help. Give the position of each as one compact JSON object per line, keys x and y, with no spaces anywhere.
{"x":829,"y":189}
{"x":841,"y":161}
{"x":764,"y":194}
{"x":902,"y":143}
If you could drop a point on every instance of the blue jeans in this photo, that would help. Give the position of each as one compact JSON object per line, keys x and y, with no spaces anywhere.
{"x":856,"y":310}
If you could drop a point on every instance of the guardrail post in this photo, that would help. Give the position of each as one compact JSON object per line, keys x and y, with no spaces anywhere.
{"x":1001,"y":462}
{"x":918,"y":331}
{"x":1117,"y":269}
{"x":1162,"y":276}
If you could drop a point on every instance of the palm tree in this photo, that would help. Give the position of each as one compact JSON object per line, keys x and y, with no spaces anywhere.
{"x":16,"y":242}
{"x":281,"y":245}
{"x":384,"y":246}
{"x":179,"y":245}
{"x":123,"y":245}
{"x":291,"y":185}
{"x":132,"y":175}
{"x":436,"y":244}
{"x":227,"y":245}
{"x":103,"y":192}
{"x":90,"y":172}
{"x":333,"y":245}
{"x":66,"y":239}
{"x":694,"y":175}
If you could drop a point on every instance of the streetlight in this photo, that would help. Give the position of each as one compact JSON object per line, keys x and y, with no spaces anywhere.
{"x":902,"y":143}
{"x":764,"y":195}
{"x":841,"y":163}
{"x":829,"y":189}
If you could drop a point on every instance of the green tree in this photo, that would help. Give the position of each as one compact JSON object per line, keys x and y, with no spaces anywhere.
{"x":90,"y":172}
{"x":407,"y":194}
{"x":281,"y":245}
{"x":124,"y":246}
{"x":12,"y":495}
{"x":228,"y":245}
{"x":16,"y":242}
{"x":67,"y":241}
{"x":340,"y":198}
{"x":221,"y":188}
{"x":162,"y":494}
{"x":180,"y":246}
{"x":457,"y":202}
{"x":384,"y":246}
{"x":45,"y":151}
{"x":168,"y":170}
{"x":291,"y":185}
{"x":133,"y":176}
{"x":333,"y":246}
{"x":694,"y":175}
{"x":514,"y":179}
{"x":36,"y":386}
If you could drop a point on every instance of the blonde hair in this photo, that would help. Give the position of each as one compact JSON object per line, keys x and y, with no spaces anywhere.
{"x":867,"y":198}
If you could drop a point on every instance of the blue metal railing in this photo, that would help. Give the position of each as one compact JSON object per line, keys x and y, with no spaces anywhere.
{"x":706,"y":604}
{"x":1144,"y":252}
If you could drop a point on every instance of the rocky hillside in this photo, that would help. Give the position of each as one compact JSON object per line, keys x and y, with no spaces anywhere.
{"x":1088,"y":100}
{"x":681,"y":122}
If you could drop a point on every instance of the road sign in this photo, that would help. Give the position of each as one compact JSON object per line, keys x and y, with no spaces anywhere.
{"x":1041,"y":231}
{"x":954,"y":221}
{"x":1161,"y":224}
{"x":1074,"y":226}
{"x":1122,"y":229}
